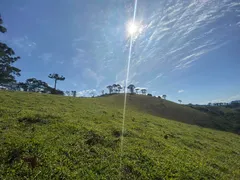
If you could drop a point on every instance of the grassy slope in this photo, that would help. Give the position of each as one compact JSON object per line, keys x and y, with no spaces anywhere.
{"x":79,"y":138}
{"x":219,"y":118}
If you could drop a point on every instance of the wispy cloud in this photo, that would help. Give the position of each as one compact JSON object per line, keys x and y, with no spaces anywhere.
{"x":46,"y":57}
{"x":90,"y":74}
{"x":180,"y":91}
{"x":24,"y":44}
{"x":179,"y":33}
{"x":152,"y":80}
{"x":78,"y":57}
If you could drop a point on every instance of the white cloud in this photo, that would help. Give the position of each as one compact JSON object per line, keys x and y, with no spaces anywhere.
{"x":87,"y":93}
{"x":180,"y":91}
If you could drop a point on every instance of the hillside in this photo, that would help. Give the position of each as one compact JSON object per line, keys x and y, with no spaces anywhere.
{"x":219,"y":118}
{"x":55,"y":137}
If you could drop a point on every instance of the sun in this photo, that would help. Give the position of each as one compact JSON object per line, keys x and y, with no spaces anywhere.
{"x":132,"y":28}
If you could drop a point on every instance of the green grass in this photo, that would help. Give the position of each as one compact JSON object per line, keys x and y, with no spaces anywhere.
{"x":79,"y":138}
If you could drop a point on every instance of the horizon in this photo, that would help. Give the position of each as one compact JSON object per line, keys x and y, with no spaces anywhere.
{"x":186,"y":50}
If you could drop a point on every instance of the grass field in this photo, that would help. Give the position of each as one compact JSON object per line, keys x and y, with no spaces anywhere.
{"x":55,"y":137}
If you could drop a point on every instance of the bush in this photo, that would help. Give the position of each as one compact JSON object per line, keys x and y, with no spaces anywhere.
{"x":149,"y":94}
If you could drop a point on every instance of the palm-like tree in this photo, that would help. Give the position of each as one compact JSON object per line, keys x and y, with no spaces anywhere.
{"x":131,"y":87}
{"x":56,"y":78}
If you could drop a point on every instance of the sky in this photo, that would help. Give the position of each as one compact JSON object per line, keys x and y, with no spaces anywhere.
{"x":186,"y":49}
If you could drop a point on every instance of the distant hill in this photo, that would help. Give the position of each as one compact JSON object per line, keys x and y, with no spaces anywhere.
{"x":55,"y":137}
{"x":215,"y":117}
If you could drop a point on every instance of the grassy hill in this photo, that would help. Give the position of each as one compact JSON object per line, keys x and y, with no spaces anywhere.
{"x":55,"y":137}
{"x":219,"y":118}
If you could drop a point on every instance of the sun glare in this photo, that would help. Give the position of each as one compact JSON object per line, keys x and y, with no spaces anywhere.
{"x":132,"y":28}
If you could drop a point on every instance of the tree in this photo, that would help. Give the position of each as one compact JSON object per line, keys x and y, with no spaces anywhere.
{"x":137,"y":89}
{"x":36,"y":85}
{"x":23,"y":86}
{"x":92,"y":93}
{"x":110,"y":88}
{"x":149,"y":94}
{"x":144,"y":91}
{"x":68,"y":93}
{"x":119,"y":87}
{"x":180,"y":101}
{"x":164,"y":96}
{"x":115,"y":88}
{"x":131,"y":87}
{"x":209,"y":104}
{"x":7,"y":58}
{"x":56,"y":78}
{"x":74,"y":93}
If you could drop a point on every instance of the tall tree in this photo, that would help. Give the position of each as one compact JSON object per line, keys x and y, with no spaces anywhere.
{"x":119,"y":88}
{"x":110,"y":88}
{"x":144,"y":91}
{"x":7,"y":58}
{"x":164,"y":96}
{"x":56,"y":78}
{"x":74,"y":93}
{"x":131,"y":87}
{"x":115,"y":88}
{"x":180,"y":101}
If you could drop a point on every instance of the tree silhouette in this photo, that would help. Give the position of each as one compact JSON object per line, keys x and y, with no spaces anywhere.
{"x":119,"y":87}
{"x":23,"y":86}
{"x":137,"y":89}
{"x":74,"y":93}
{"x":180,"y":101}
{"x":110,"y":88}
{"x":56,"y":78}
{"x":164,"y":96}
{"x":7,"y":58}
{"x":144,"y":91}
{"x":68,"y":93}
{"x":115,"y":88}
{"x":35,"y":85}
{"x":131,"y":87}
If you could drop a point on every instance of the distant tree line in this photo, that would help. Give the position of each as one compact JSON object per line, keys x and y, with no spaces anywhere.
{"x":117,"y":88}
{"x":235,"y":103}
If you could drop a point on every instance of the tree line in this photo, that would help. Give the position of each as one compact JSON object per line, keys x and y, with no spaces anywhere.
{"x":117,"y":88}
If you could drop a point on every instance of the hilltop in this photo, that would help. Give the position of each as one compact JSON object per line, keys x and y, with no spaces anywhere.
{"x":55,"y":137}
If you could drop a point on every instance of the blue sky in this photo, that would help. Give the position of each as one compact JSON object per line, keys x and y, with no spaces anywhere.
{"x":188,"y":50}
